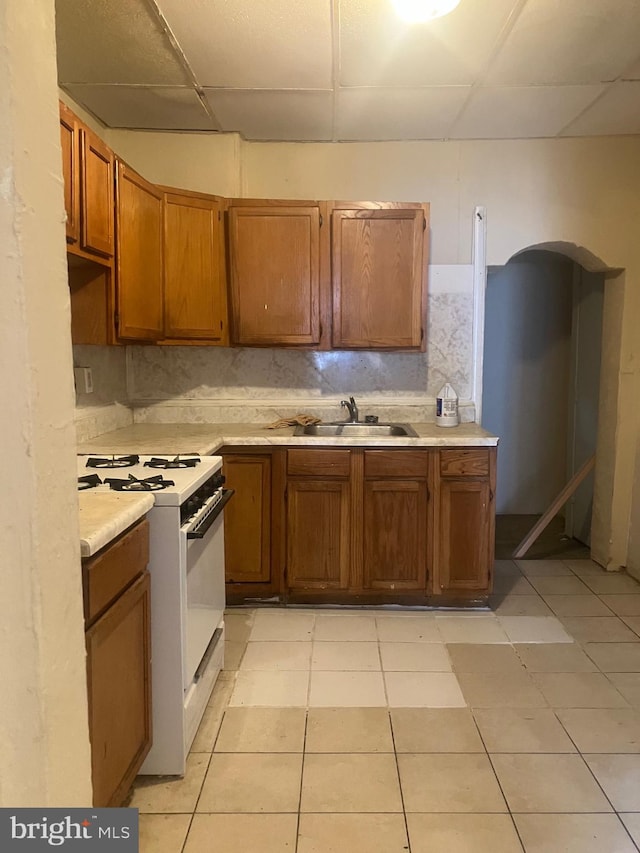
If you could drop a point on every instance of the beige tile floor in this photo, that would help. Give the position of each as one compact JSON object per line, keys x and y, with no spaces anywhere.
{"x":364,"y":731}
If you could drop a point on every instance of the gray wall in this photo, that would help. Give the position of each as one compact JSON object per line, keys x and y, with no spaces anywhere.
{"x":527,"y":361}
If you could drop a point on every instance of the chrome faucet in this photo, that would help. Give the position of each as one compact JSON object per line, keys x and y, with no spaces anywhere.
{"x":350,"y":404}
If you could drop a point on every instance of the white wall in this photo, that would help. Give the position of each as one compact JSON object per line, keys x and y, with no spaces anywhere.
{"x":526,"y":378}
{"x":44,"y":746}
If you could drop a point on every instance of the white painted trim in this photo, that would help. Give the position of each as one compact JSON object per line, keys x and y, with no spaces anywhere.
{"x":479,"y":289}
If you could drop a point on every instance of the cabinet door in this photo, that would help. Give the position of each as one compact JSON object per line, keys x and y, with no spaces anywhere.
{"x":464,"y":534}
{"x":97,"y":211}
{"x":119,"y":689}
{"x":70,"y":171}
{"x":275,"y":275}
{"x":317,"y":534}
{"x":395,"y":534}
{"x":194,"y":292}
{"x":247,"y":519}
{"x":378,"y":271}
{"x":139,"y":256}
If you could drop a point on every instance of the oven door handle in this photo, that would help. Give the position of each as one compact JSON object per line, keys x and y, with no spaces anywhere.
{"x":201,"y":531}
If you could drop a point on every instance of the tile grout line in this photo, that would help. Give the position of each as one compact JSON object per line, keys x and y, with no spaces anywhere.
{"x":304,"y":753}
{"x":395,"y":755}
{"x":506,"y":802}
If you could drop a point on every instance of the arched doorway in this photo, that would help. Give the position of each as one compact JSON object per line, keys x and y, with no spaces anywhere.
{"x":551,"y":366}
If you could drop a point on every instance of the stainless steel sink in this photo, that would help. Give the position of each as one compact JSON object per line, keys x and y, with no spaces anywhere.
{"x":351,"y":430}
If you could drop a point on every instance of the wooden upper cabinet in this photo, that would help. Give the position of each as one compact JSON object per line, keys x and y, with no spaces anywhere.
{"x":379,"y":256}
{"x":194,"y":286}
{"x":87,"y":169}
{"x":97,"y":212}
{"x":70,"y":171}
{"x":274,"y":254}
{"x":139,"y":257}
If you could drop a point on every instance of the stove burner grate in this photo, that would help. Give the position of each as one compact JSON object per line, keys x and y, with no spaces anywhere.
{"x":176,"y":462}
{"x":134,"y":484}
{"x":90,"y":481}
{"x":112,"y":461}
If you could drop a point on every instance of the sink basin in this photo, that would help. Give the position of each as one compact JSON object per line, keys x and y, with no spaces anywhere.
{"x":350,"y":430}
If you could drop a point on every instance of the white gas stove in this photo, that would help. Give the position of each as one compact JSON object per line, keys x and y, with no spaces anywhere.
{"x":186,"y":563}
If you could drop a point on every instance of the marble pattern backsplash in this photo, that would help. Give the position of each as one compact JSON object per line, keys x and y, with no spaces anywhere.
{"x":244,"y":378}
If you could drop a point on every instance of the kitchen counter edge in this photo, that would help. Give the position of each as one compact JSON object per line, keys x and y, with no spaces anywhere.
{"x":207,"y":439}
{"x":105,"y":515}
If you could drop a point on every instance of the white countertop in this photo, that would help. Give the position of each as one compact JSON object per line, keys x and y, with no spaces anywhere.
{"x":206,"y":439}
{"x":104,"y":515}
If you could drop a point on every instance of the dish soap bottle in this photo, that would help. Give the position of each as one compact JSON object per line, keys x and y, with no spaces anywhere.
{"x":447,"y":407}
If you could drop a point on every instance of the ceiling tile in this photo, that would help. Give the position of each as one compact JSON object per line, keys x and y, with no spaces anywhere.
{"x":519,"y":111}
{"x":377,"y":48}
{"x":383,"y":114}
{"x":145,"y":108}
{"x":632,"y":72}
{"x":116,"y":42}
{"x":268,"y":115}
{"x":569,"y":42}
{"x":617,"y":111}
{"x":246,"y":44}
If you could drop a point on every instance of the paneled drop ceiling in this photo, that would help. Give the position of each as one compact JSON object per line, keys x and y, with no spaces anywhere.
{"x":347,"y":70}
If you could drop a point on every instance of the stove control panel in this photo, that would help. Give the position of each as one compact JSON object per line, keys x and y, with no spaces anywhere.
{"x":201,"y":496}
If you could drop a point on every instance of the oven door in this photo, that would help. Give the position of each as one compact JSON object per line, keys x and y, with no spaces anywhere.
{"x":203,"y":548}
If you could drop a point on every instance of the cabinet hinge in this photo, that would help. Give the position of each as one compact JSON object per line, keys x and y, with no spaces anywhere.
{"x":219,"y":216}
{"x":424,"y":224}
{"x":421,"y":335}
{"x":321,"y":220}
{"x":116,"y":320}
{"x":490,"y":495}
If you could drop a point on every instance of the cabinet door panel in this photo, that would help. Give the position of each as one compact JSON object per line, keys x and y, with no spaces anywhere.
{"x":97,"y":211}
{"x":395,"y":534}
{"x":464,"y":550}
{"x":195,"y":303}
{"x":119,"y":689}
{"x":378,"y":278}
{"x":247,"y":519}
{"x":70,"y":171}
{"x":317,"y":534}
{"x":275,"y":274}
{"x":139,"y":226}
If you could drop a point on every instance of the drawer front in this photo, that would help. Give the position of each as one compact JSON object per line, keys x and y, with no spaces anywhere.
{"x":413,"y":464}
{"x":110,"y":572}
{"x":464,"y":463}
{"x":318,"y":463}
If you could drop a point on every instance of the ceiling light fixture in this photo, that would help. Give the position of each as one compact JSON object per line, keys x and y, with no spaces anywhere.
{"x":419,"y":11}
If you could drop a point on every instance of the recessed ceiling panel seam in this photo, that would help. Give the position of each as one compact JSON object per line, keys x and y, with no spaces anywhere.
{"x":579,"y":115}
{"x":335,"y":63}
{"x":503,"y":35}
{"x":177,"y":49}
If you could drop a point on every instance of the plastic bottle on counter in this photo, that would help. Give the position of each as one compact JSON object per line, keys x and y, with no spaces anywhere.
{"x":447,"y":407}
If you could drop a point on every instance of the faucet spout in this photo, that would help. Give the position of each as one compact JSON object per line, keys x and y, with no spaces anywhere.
{"x":352,"y":408}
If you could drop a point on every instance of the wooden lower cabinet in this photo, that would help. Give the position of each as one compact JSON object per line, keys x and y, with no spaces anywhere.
{"x":249,"y":520}
{"x":361,"y":525}
{"x":318,"y":529}
{"x":465,"y":522}
{"x":464,"y":556}
{"x":118,"y":667}
{"x":395,"y":522}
